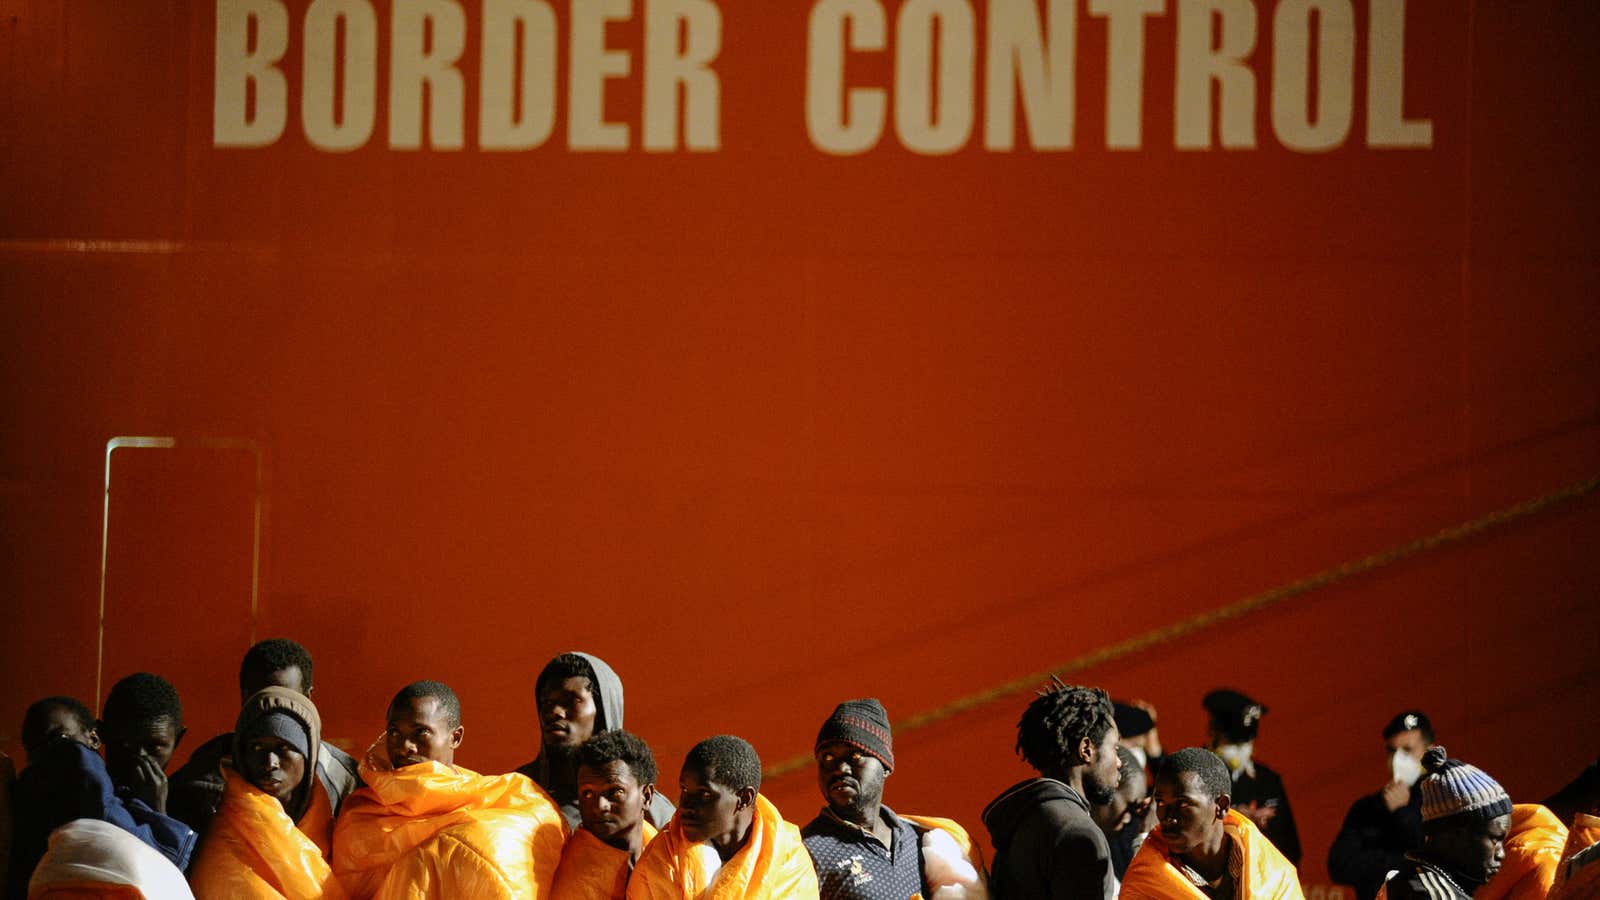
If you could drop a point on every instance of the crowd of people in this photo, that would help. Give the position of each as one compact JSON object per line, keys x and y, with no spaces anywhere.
{"x":271,"y":811}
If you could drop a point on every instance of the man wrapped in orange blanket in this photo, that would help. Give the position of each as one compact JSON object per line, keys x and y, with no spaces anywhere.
{"x":1203,"y":850}
{"x":271,"y":835}
{"x":727,"y":841}
{"x":616,"y":786}
{"x":425,"y":827}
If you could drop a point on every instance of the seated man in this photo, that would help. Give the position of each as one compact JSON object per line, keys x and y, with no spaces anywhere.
{"x":272,"y":835}
{"x":1465,"y":817}
{"x":65,"y":782}
{"x":423,"y":825}
{"x":141,"y":725}
{"x":861,"y":849}
{"x":57,"y":718}
{"x":1382,"y":827}
{"x":578,"y":696}
{"x":727,"y":840}
{"x":197,"y":787}
{"x":1129,"y":815}
{"x":1046,"y":845}
{"x":1203,"y":846}
{"x":616,"y":780}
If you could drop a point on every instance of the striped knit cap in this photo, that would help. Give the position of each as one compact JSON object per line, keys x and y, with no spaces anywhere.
{"x":1457,"y":793}
{"x":862,"y":724}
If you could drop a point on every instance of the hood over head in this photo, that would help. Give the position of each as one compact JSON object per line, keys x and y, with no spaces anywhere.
{"x":272,"y":700}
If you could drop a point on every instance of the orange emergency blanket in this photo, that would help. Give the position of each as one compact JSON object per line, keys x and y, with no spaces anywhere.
{"x":772,"y":865}
{"x":1584,"y":833}
{"x":591,"y":869}
{"x":1266,"y":876}
{"x":432,"y":830}
{"x":1533,"y":853}
{"x":254,"y":850}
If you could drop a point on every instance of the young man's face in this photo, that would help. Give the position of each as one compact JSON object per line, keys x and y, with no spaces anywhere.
{"x":1474,"y":852}
{"x":60,"y":724}
{"x":611,"y":800}
{"x":274,"y":766}
{"x":566,"y":713}
{"x":706,"y":810}
{"x":1188,"y":817}
{"x":851,"y":780}
{"x":127,"y":743}
{"x":419,"y":731}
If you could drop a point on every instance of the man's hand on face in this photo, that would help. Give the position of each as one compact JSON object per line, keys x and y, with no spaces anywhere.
{"x":1395,"y":795}
{"x":150,"y":783}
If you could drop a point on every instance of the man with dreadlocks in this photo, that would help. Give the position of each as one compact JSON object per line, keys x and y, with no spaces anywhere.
{"x":1046,"y":843}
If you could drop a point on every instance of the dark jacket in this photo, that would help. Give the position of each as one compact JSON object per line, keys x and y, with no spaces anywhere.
{"x":608,"y":717}
{"x":1264,"y":787}
{"x":69,"y":781}
{"x":1046,"y":846}
{"x":195,"y":790}
{"x":1374,"y":842}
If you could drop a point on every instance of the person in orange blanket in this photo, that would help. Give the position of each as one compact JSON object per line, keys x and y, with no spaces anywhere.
{"x":271,"y":835}
{"x":424,"y":826}
{"x":727,"y":841}
{"x":1534,"y":845}
{"x":616,"y":784}
{"x":1203,"y":849}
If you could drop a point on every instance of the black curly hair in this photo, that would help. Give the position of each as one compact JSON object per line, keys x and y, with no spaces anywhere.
{"x":1057,"y":719}
{"x":449,"y":703}
{"x":727,"y":760}
{"x":620,"y":746}
{"x":272,"y":655}
{"x":142,"y":697}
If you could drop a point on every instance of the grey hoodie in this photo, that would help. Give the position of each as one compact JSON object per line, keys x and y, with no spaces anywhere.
{"x":608,"y":717}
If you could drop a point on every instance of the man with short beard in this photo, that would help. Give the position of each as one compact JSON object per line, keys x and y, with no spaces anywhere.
{"x":1046,"y":843}
{"x":861,"y":849}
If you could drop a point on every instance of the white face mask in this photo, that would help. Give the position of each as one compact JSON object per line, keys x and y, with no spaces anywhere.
{"x":1405,"y":768}
{"x":1236,"y":755}
{"x":1139,"y":754}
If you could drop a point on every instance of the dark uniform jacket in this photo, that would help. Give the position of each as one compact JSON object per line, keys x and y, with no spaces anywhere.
{"x":1046,"y":846}
{"x":1260,"y":785}
{"x":1374,"y":842}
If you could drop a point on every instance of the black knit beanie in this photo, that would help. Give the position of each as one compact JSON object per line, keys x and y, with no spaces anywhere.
{"x":862,"y":724}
